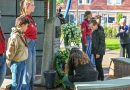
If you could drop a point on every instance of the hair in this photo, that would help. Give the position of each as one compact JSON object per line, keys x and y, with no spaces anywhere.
{"x":98,"y":17}
{"x":77,"y":57}
{"x":86,"y":14}
{"x":21,"y":21}
{"x":93,"y":21}
{"x":23,"y":5}
{"x":122,"y":20}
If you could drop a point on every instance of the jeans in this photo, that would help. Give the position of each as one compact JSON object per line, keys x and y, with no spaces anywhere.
{"x":88,"y":50}
{"x":30,"y":70}
{"x":2,"y":69}
{"x":17,"y":70}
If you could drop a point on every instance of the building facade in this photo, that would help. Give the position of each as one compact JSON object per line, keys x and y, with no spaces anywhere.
{"x":108,"y":9}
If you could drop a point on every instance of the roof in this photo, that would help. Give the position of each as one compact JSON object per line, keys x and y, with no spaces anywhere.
{"x":100,"y":5}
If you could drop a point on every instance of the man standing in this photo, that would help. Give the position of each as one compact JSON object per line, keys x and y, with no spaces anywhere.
{"x":124,"y":38}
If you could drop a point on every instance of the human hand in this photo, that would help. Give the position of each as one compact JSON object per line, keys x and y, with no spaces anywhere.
{"x":8,"y":62}
{"x":97,"y":56}
{"x":122,"y":30}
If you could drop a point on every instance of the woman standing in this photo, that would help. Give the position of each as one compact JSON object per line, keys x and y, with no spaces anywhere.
{"x":27,"y":7}
{"x":87,"y":36}
{"x":98,"y":47}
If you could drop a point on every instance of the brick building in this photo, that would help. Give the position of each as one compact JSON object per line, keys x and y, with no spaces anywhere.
{"x":108,"y":9}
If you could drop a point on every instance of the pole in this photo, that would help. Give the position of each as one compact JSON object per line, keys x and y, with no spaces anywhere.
{"x":77,"y":6}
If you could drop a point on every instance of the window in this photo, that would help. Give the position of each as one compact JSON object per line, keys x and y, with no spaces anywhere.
{"x":85,"y":1}
{"x":81,"y":18}
{"x":111,"y":19}
{"x":70,"y":18}
{"x":88,"y":1}
{"x":80,"y":1}
{"x":114,"y":2}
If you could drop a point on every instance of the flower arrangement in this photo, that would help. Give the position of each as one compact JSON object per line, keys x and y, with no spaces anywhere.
{"x":71,"y":34}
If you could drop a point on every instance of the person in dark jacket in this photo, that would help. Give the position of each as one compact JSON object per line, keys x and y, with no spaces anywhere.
{"x":98,"y":47}
{"x":79,"y":68}
{"x":124,"y":38}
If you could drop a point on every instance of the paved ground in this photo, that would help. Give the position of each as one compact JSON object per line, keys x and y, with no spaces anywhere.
{"x":106,"y":62}
{"x":107,"y":59}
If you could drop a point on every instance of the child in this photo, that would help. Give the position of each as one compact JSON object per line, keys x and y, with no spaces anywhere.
{"x":2,"y":59}
{"x":98,"y":47}
{"x":17,"y":52}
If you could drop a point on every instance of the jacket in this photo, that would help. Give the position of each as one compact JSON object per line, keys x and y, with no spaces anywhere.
{"x":83,"y":73}
{"x":16,"y":48}
{"x":31,"y":32}
{"x":2,"y":42}
{"x":124,"y":36}
{"x":98,"y":41}
{"x":86,"y":31}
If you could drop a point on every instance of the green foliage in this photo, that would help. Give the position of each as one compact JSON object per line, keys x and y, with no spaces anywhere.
{"x":112,"y":43}
{"x":118,"y":17}
{"x":71,"y":34}
{"x":110,"y":32}
{"x":61,"y":58}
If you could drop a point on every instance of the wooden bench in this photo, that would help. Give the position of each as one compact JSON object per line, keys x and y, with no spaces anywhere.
{"x":121,"y":68}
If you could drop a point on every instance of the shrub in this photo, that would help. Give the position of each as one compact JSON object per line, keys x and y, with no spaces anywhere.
{"x":71,"y":34}
{"x":110,"y":32}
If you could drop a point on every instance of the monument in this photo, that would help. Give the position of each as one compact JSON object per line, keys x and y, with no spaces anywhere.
{"x":51,"y":45}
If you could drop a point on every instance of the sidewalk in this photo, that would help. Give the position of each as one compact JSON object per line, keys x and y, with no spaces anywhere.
{"x":107,"y":59}
{"x":106,"y":62}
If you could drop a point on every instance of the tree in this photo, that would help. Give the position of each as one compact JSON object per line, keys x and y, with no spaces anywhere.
{"x":118,"y":17}
{"x":58,"y":2}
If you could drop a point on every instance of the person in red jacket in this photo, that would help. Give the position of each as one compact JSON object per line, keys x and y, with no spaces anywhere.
{"x":86,"y":36}
{"x":2,"y":58}
{"x":27,"y":7}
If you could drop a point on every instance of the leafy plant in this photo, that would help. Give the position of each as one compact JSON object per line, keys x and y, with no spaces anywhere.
{"x":118,"y":17}
{"x":61,"y":58}
{"x":71,"y":34}
{"x":110,"y":32}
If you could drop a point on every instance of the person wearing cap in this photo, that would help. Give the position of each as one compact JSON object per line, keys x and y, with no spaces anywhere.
{"x":123,"y":33}
{"x":17,"y":52}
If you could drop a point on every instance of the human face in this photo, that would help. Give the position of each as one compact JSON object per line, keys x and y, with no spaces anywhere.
{"x":30,"y":7}
{"x":89,"y":17}
{"x":24,"y":27}
{"x":93,"y":27}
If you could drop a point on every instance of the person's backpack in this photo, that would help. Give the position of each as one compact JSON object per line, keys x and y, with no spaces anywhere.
{"x":2,"y":42}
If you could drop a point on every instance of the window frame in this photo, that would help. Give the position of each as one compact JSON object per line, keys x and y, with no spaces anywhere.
{"x":110,"y":2}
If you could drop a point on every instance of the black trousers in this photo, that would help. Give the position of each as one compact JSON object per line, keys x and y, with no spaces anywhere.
{"x":98,"y":62}
{"x":125,"y":50}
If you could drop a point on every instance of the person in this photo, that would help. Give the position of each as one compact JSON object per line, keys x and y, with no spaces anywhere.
{"x":123,"y":33}
{"x":2,"y":57}
{"x":79,"y":63}
{"x":17,"y":52}
{"x":27,"y":7}
{"x":86,"y":36}
{"x":86,"y":32}
{"x":98,"y":19}
{"x":98,"y":47}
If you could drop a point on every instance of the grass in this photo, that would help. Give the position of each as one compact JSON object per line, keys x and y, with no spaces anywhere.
{"x":112,"y":43}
